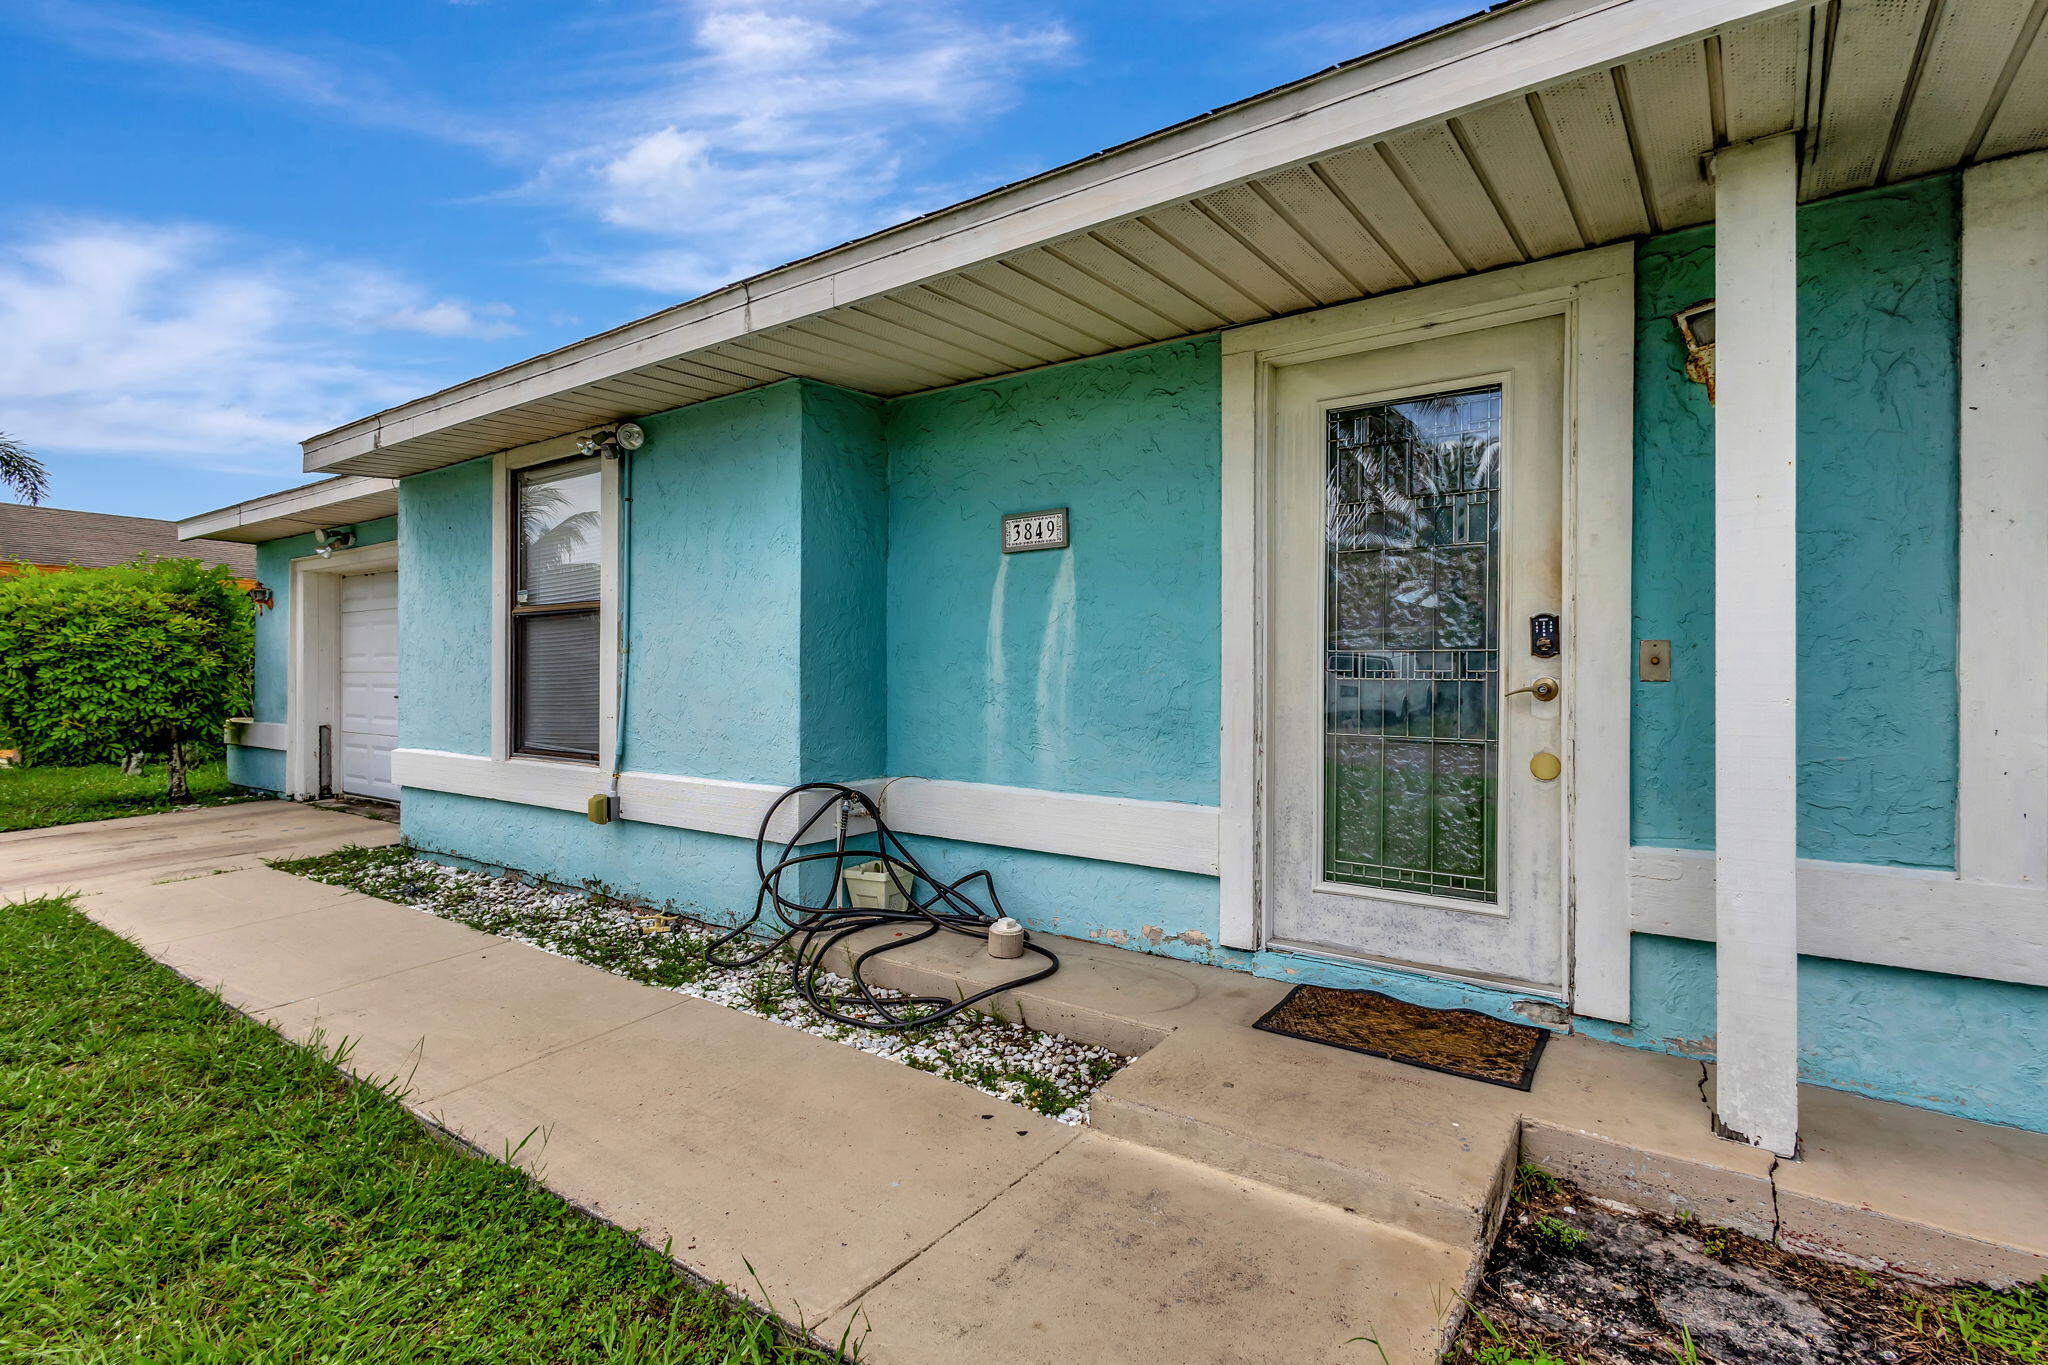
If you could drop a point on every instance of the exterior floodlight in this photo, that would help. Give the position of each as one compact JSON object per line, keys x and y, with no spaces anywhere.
{"x":612,"y":442}
{"x":326,"y":542}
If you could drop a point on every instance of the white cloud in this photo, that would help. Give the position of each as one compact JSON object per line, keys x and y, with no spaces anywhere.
{"x":134,"y":33}
{"x":178,"y":341}
{"x":768,"y":129}
{"x":739,"y":134}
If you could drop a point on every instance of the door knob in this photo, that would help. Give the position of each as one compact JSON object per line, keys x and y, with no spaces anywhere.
{"x":1543,"y":689}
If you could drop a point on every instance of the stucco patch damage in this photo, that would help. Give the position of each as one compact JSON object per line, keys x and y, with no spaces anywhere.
{"x":1154,"y":935}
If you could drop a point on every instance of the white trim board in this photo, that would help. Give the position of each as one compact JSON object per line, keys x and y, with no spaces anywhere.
{"x":2002,"y":678}
{"x":699,"y":803}
{"x":1893,"y":917}
{"x":1926,"y":921}
{"x":259,"y":734}
{"x":1594,"y":291}
{"x":1163,"y":834}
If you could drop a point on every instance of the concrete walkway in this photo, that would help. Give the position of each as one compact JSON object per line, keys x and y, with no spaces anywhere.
{"x":1242,"y":1197}
{"x":847,"y":1184}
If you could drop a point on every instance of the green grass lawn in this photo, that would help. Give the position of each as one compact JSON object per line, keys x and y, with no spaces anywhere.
{"x":180,"y":1185}
{"x":31,"y":798}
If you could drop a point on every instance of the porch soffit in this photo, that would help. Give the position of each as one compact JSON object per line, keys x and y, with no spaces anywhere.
{"x":295,"y":511}
{"x":1606,"y":148}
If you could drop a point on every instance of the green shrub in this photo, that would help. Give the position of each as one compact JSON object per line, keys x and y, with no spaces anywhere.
{"x":99,"y":663}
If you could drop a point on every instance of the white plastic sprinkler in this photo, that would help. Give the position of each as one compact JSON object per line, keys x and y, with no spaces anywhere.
{"x":1006,"y":938}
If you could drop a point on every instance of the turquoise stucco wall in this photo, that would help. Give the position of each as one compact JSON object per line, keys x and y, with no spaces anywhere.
{"x":1088,"y":670}
{"x":716,"y":588}
{"x":1877,"y":534}
{"x":780,"y":534}
{"x":1955,"y":1044}
{"x":706,"y":875}
{"x":263,"y":769}
{"x":755,"y":575}
{"x":444,"y":609}
{"x":844,"y":672}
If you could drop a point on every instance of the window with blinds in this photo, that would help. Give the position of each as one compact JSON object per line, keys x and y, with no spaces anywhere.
{"x":555,"y":591}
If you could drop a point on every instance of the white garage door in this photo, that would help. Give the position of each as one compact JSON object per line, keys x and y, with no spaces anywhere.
{"x":369,"y":685}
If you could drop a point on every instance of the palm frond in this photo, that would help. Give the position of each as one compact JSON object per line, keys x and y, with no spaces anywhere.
{"x":21,"y":471}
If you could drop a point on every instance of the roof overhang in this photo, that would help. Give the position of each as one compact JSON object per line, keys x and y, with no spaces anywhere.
{"x":1539,"y":128}
{"x":342,"y":501}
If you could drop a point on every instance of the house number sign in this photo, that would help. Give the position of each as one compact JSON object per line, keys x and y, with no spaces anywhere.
{"x":1045,"y":530}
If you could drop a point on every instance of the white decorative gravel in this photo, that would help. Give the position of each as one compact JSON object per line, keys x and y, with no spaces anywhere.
{"x":1006,"y":1060}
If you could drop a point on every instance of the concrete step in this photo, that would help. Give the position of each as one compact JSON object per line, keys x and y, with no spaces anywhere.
{"x":1410,"y":1148}
{"x":1391,"y":1143}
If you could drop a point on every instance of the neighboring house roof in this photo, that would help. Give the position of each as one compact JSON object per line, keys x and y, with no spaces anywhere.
{"x":54,"y":536}
{"x":1540,"y":128}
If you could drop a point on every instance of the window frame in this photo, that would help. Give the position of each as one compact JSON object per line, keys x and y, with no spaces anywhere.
{"x":592,"y":607}
{"x":508,"y":467}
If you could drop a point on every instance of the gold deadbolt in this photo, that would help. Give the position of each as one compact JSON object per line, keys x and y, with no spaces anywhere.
{"x":1544,"y":767}
{"x":1543,"y":689}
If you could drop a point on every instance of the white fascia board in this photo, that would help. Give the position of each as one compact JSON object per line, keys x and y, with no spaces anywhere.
{"x":1465,"y":67}
{"x":295,"y":511}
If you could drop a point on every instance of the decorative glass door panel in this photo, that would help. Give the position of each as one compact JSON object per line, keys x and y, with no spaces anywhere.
{"x":1411,"y":528}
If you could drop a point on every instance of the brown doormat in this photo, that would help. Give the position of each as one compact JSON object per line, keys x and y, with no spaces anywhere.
{"x":1455,"y":1042}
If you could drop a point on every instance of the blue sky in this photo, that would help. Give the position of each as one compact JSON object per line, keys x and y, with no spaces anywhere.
{"x":233,"y":225}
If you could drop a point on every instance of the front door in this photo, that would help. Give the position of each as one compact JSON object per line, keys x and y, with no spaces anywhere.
{"x":1416,"y":793}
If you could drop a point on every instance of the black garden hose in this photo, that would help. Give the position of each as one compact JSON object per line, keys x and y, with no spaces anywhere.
{"x":815,"y":930}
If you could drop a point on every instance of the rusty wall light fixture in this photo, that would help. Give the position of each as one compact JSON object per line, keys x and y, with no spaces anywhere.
{"x":326,"y":542}
{"x":1696,"y":327}
{"x":262,"y":598}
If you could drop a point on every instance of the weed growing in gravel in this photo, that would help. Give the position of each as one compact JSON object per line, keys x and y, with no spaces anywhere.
{"x":600,"y":925}
{"x":1554,"y":1234}
{"x":2012,"y":1321}
{"x":1501,"y":1349}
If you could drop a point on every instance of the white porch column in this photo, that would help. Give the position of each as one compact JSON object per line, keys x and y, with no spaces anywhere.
{"x":2002,"y":798}
{"x":1756,"y":189}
